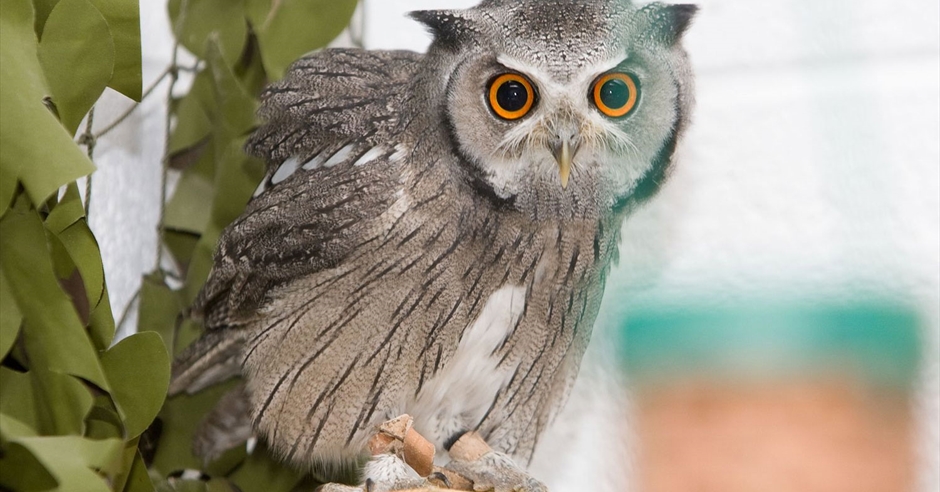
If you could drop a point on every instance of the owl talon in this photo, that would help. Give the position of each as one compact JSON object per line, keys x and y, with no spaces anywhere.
{"x":372,"y":486}
{"x":440,"y":478}
{"x":489,"y":470}
{"x":338,"y":487}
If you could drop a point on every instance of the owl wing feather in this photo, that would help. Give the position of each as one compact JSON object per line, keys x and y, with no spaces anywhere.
{"x":331,"y":97}
{"x":329,"y":100}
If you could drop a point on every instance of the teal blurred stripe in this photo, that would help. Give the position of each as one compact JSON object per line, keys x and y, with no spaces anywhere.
{"x":879,"y":342}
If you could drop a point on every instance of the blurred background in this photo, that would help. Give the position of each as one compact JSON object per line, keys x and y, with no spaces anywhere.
{"x":774,"y":320}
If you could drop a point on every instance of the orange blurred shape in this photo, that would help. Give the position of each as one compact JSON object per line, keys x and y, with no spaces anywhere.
{"x":800,"y":436}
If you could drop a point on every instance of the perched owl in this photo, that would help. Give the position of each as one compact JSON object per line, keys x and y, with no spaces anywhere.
{"x":434,"y":231}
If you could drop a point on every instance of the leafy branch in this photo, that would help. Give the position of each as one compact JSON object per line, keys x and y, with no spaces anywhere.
{"x":77,"y":410}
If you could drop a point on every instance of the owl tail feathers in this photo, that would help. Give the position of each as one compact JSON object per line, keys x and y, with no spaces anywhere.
{"x":213,"y":358}
{"x":228,"y":425}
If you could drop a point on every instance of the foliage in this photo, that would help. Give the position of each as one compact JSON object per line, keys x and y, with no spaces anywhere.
{"x":77,"y":411}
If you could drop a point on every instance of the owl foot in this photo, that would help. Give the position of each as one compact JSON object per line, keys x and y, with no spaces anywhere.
{"x":400,"y":458}
{"x":487,"y":470}
{"x":384,"y":473}
{"x":338,"y":487}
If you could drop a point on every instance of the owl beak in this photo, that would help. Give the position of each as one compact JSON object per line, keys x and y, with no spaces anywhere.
{"x":564,"y":152}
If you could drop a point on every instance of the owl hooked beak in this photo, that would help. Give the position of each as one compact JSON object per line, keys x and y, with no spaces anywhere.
{"x":564,"y":150}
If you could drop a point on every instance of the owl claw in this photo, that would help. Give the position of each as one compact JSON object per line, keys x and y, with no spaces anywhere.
{"x":496,"y":472}
{"x":474,"y":466}
{"x":439,"y":477}
{"x":489,"y":470}
{"x":372,"y":486}
{"x":338,"y":487}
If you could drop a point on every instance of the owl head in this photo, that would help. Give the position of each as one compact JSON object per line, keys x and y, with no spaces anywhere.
{"x":564,"y":107}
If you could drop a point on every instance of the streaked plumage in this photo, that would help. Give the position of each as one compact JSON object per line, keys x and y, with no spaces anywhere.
{"x":410,"y":252}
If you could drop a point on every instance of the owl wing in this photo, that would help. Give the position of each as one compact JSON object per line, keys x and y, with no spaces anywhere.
{"x":333,"y":109}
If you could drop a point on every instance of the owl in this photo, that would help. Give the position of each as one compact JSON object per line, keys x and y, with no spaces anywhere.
{"x":434,"y":231}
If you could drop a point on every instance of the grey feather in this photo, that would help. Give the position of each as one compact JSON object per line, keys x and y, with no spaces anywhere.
{"x":332,"y":97}
{"x":228,"y":425}
{"x":213,"y":358}
{"x":328,"y":100}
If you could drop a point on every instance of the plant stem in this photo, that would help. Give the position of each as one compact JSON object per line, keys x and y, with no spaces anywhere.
{"x":89,"y":140}
{"x":173,"y":72}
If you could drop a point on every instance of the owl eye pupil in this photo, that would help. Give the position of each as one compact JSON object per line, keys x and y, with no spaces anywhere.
{"x":512,"y":96}
{"x":615,"y":94}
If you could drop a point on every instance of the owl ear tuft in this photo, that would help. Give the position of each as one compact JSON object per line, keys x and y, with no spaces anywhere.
{"x":447,"y":26}
{"x":670,"y":21}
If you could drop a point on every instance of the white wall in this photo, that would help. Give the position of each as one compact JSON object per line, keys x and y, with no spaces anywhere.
{"x":812,"y":169}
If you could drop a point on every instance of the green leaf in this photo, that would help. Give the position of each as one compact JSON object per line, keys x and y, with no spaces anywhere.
{"x":10,"y":317}
{"x":287,"y":29}
{"x":103,"y":421}
{"x":181,"y":245}
{"x":251,"y":71}
{"x":54,"y":335}
{"x":261,"y":472}
{"x":77,"y":56}
{"x":24,"y":120}
{"x":66,"y":273}
{"x":138,"y":368}
{"x":139,"y":479}
{"x":194,"y":20}
{"x":69,"y":209}
{"x":62,"y":401}
{"x":74,"y":460}
{"x":190,"y":208}
{"x":235,"y":116}
{"x":17,"y":400}
{"x":66,"y":222}
{"x":238,"y":174}
{"x":128,"y":455}
{"x":192,"y":114}
{"x":21,"y":471}
{"x":48,"y":402}
{"x":82,"y":247}
{"x":159,"y":309}
{"x":200,"y":266}
{"x":220,"y":485}
{"x":101,"y":325}
{"x":231,"y":112}
{"x":7,"y":187}
{"x":11,"y":427}
{"x":43,"y":9}
{"x":123,"y":17}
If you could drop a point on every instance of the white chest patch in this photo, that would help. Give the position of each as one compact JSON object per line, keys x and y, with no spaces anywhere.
{"x":458,"y":396}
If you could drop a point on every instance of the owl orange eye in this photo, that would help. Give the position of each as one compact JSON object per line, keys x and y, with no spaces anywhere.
{"x":615,"y":94}
{"x":511,"y":96}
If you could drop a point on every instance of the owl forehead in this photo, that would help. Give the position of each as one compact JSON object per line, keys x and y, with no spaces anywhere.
{"x":561,"y":37}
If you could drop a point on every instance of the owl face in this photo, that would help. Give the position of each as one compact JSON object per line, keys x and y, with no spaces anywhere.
{"x":562,"y":99}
